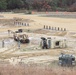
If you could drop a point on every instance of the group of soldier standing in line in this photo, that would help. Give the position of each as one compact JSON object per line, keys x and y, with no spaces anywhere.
{"x":54,"y":28}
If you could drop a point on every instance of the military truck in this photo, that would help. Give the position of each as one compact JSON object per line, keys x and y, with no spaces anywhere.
{"x":23,"y":38}
{"x":66,"y":60}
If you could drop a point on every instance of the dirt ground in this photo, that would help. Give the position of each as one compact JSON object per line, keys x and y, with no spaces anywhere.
{"x":39,"y":22}
{"x":14,"y":55}
{"x":35,"y":70}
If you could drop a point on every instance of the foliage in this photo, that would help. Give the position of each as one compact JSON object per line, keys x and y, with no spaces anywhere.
{"x":36,"y":4}
{"x":13,"y":4}
{"x":46,"y":5}
{"x":3,"y":5}
{"x":41,"y":5}
{"x":29,"y":12}
{"x":62,"y":3}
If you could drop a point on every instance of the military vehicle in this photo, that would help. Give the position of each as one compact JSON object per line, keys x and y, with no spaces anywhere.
{"x":66,"y":60}
{"x":20,"y":30}
{"x":23,"y":38}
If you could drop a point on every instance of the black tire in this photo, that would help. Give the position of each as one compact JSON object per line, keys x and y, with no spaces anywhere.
{"x":27,"y":40}
{"x":15,"y":39}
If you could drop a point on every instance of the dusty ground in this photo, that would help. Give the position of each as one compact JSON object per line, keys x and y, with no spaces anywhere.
{"x":39,"y":22}
{"x":33,"y":55}
{"x":35,"y":70}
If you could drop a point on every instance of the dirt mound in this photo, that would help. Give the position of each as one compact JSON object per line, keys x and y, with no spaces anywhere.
{"x":50,"y":32}
{"x":41,"y":31}
{"x":22,"y":20}
{"x":10,"y":22}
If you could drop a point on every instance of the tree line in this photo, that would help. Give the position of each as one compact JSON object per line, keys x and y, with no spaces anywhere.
{"x":36,"y":4}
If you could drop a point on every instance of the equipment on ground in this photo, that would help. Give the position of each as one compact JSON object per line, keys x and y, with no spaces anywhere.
{"x":66,"y":60}
{"x":20,"y":30}
{"x":23,"y":38}
{"x":53,"y":43}
{"x":44,"y":43}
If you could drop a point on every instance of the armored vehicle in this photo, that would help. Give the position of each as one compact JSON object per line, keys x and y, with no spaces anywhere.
{"x":23,"y":38}
{"x":66,"y":60}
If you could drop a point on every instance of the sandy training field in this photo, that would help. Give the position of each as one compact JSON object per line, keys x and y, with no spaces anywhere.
{"x":39,"y":22}
{"x":55,"y":24}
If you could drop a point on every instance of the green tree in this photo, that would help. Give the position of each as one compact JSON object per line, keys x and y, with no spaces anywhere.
{"x":61,"y":4}
{"x":13,"y":4}
{"x":3,"y":5}
{"x":37,"y":5}
{"x":26,"y":4}
{"x":46,"y":5}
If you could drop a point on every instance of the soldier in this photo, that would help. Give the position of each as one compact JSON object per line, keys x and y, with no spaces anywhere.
{"x":27,"y":24}
{"x":58,"y":29}
{"x":22,"y":24}
{"x":52,"y":28}
{"x":55,"y":28}
{"x":49,"y":27}
{"x":64,"y":29}
{"x":44,"y":45}
{"x":18,"y":43}
{"x":44,"y":26}
{"x":3,"y":43}
{"x":8,"y":32}
{"x":61,"y":29}
{"x":14,"y":22}
{"x":18,"y":23}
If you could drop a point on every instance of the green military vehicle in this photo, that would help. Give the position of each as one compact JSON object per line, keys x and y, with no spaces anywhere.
{"x":66,"y":60}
